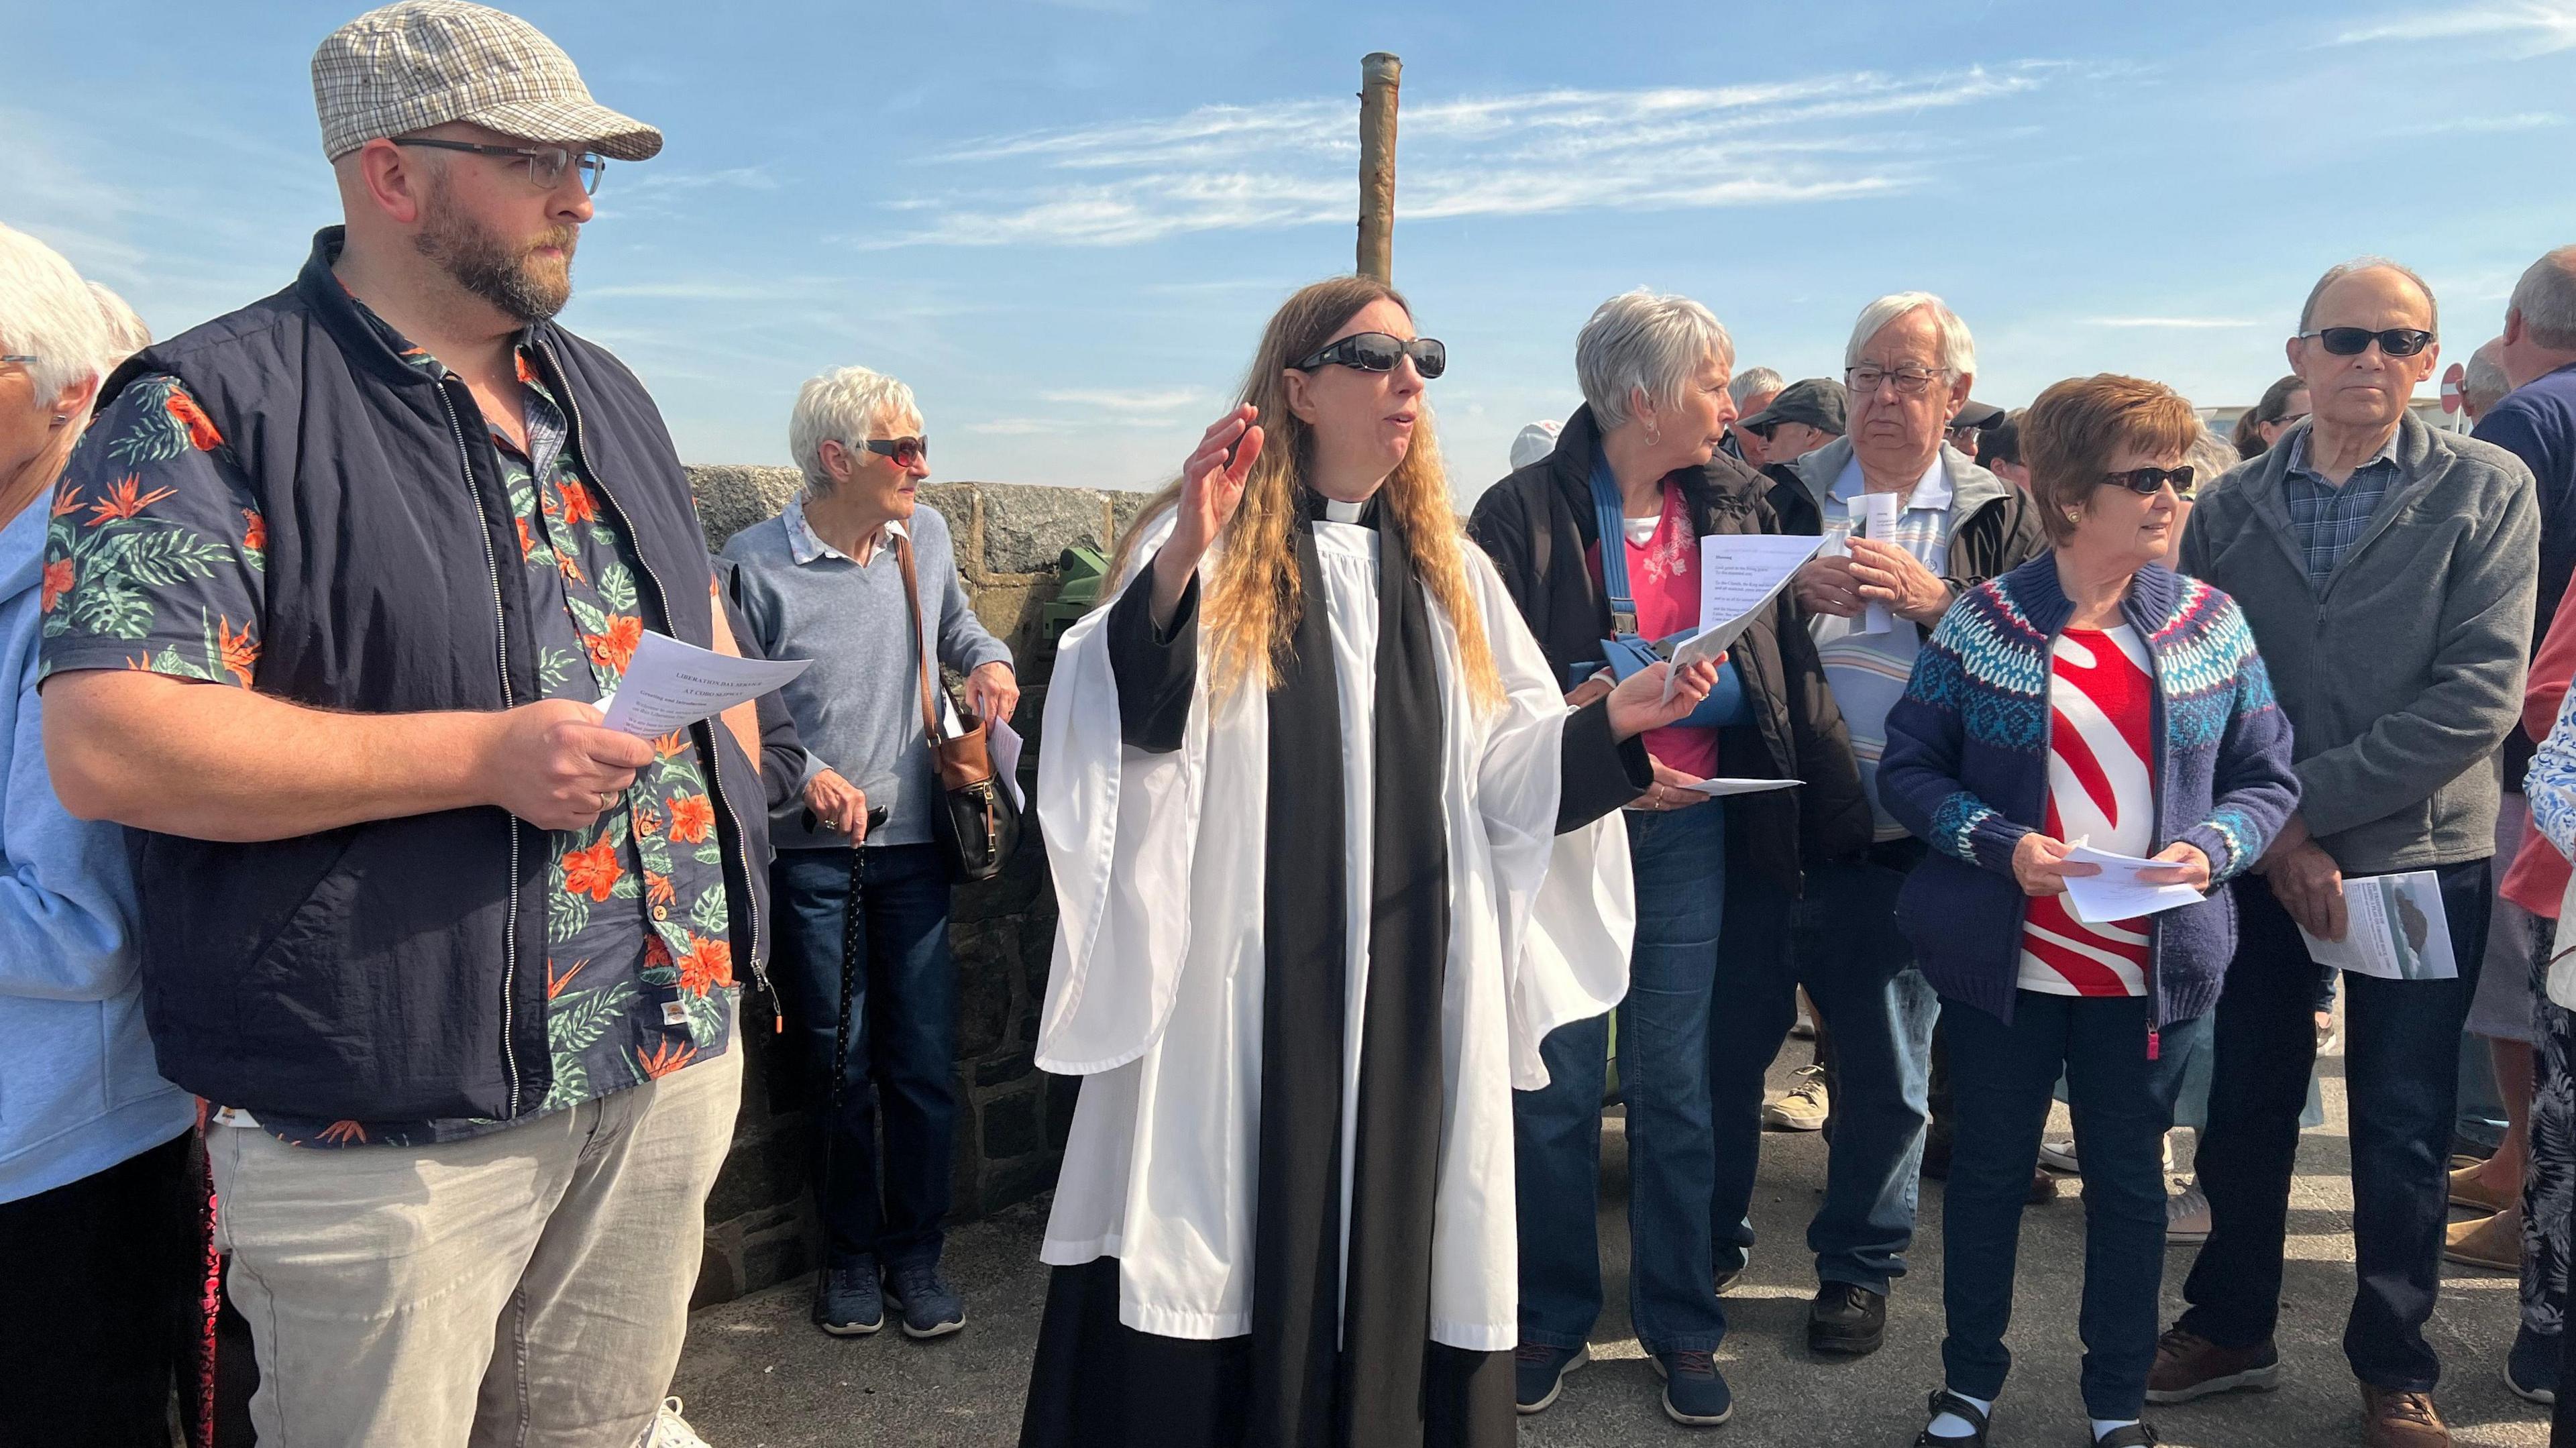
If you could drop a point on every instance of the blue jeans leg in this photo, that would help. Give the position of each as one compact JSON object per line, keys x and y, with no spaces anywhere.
{"x":1858,"y":970}
{"x":1556,"y":1165}
{"x":1680,"y":863}
{"x":1749,"y":1015}
{"x":903,"y":1035}
{"x":2001,"y":1082}
{"x":2122,"y":1104}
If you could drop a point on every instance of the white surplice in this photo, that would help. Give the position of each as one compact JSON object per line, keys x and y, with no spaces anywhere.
{"x":1157,"y":985}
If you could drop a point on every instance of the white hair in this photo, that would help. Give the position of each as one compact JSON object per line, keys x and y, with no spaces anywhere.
{"x":2210,"y":456}
{"x":1753,"y":382}
{"x":2483,"y":384}
{"x":2546,"y":297}
{"x":1958,"y":349}
{"x":46,"y":312}
{"x":843,"y":405}
{"x":2340,"y":270}
{"x":1644,"y":342}
{"x":127,"y":333}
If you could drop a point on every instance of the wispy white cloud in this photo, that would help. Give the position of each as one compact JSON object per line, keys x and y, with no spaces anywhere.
{"x":1128,"y":402}
{"x":2486,"y":125}
{"x":2172,"y":323}
{"x":1022,"y":426}
{"x":2539,"y":27}
{"x":1290,"y":163}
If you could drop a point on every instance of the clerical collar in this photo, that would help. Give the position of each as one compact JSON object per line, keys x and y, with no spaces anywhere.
{"x":1320,"y":509}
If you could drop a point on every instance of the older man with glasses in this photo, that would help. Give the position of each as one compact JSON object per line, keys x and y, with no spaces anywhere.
{"x":344,"y":578}
{"x":1911,"y":524}
{"x":2388,"y":570}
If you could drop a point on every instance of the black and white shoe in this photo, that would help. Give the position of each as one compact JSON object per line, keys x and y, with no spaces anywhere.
{"x":1946,"y":1401}
{"x":2129,"y":1435}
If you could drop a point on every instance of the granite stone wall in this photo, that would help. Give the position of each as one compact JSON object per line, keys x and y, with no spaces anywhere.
{"x":1011,"y":1125}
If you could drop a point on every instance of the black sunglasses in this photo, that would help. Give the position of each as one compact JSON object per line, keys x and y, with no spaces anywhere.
{"x":1378,"y":352}
{"x":2147,"y":482}
{"x":546,"y":164}
{"x":2352,"y":341}
{"x":904,"y":450}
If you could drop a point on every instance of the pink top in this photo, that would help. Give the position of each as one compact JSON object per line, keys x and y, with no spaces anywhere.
{"x":2537,"y":879}
{"x":2100,"y":791}
{"x":1663,"y":572}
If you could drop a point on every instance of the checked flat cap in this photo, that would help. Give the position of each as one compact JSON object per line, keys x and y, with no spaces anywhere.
{"x":422,"y":63}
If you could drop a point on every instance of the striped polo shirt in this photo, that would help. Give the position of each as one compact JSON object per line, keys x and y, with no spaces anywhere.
{"x":1867,"y":672}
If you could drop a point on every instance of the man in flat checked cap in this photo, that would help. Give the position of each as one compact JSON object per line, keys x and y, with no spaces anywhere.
{"x":455,"y":965}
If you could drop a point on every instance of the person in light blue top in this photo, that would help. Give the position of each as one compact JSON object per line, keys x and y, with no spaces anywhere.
{"x":94,"y":1219}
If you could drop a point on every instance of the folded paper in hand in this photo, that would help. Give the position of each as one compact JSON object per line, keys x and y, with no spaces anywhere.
{"x":1739,"y":575}
{"x":1878,"y":514}
{"x":1721,"y":788}
{"x":2395,"y":928}
{"x":2117,"y":893}
{"x":671,"y":685}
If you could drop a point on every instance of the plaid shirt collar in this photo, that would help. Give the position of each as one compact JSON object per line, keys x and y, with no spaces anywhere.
{"x":2298,"y":468}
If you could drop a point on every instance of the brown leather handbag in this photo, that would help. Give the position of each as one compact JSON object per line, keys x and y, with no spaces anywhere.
{"x":975,"y":823}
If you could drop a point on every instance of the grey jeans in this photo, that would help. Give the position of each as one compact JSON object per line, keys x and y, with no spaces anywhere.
{"x":528,"y":1287}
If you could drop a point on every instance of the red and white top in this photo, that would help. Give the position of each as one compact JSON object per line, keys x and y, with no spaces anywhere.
{"x":2101,"y":790}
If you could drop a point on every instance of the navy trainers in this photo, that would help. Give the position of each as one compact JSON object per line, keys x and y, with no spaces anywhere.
{"x":847,"y":1301}
{"x":1538,"y":1374}
{"x":2531,"y":1369}
{"x":929,"y":1307}
{"x":1695,"y":1394}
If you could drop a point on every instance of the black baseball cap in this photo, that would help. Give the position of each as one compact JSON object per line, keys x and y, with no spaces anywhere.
{"x":1973,"y":413}
{"x":1819,"y":402}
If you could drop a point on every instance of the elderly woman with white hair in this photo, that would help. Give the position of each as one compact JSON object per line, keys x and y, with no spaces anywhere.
{"x":828,"y":579}
{"x":94,"y":1216}
{"x":1600,"y":540}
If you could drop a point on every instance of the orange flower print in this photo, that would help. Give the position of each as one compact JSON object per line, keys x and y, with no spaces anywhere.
{"x":708,"y":964}
{"x":648,"y":821}
{"x":58,"y":581}
{"x":664,"y":1059}
{"x":120,"y":502}
{"x":66,"y":501}
{"x":571,"y":570}
{"x":656,"y":953}
{"x":578,"y":506}
{"x":692,"y":818}
{"x":344,"y":1133}
{"x":593,"y":872}
{"x":556,"y":981}
{"x":254,"y":531}
{"x":658,"y":891}
{"x":615,"y":649}
{"x":526,"y":372}
{"x":527,"y":540}
{"x":672,"y":745}
{"x":184,"y":410}
{"x":239,"y":651}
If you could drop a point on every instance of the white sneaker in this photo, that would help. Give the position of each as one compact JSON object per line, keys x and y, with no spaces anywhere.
{"x":1800,"y":1108}
{"x":2059,"y":1156}
{"x":2187,"y":1215}
{"x":670,"y":1430}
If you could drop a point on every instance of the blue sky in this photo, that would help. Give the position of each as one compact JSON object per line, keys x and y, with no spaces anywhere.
{"x":1064,"y":223}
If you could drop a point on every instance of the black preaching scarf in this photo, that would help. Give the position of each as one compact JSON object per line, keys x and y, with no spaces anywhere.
{"x":1334,"y":1369}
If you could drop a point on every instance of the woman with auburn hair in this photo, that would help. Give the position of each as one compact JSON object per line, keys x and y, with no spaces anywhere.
{"x":2091,"y":695}
{"x":1300,"y":782}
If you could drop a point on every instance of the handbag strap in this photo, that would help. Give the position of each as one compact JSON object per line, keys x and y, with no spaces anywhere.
{"x":920,"y":637}
{"x":1614,"y":550}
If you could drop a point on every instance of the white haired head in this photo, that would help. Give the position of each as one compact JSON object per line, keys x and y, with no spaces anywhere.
{"x":46,"y":312}
{"x":845,"y":405}
{"x":2483,"y":383}
{"x":1958,"y":349}
{"x":126,"y":332}
{"x":1644,"y":342}
{"x":1753,"y":382}
{"x":2546,"y":298}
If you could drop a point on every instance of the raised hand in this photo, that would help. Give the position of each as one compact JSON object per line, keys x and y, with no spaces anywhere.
{"x":1211,"y":489}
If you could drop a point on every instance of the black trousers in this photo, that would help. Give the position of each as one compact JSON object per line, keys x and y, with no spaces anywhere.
{"x":101,"y":1280}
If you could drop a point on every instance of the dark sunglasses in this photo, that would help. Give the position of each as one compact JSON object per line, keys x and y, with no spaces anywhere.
{"x":546,"y":164}
{"x":2147,"y":482}
{"x":1378,"y":352}
{"x":905,"y":451}
{"x":2353,"y":341}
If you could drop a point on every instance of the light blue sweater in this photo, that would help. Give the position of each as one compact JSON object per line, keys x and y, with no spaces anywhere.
{"x":78,"y":1092}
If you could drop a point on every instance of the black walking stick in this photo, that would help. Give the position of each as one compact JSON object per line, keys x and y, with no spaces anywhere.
{"x":850,"y":928}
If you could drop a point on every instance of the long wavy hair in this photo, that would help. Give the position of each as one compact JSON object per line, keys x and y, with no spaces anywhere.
{"x":1249,"y":611}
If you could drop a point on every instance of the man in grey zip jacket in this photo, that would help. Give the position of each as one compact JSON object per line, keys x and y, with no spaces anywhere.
{"x":2388,"y":572}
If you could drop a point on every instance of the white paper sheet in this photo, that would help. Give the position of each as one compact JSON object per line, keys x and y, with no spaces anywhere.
{"x":1721,"y":788}
{"x":1739,"y":575}
{"x":2395,"y":929}
{"x":671,"y":685}
{"x":1878,"y":515}
{"x":2117,"y":893}
{"x":1002,"y":742}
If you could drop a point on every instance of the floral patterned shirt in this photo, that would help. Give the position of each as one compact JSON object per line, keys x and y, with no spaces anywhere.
{"x":164,"y":569}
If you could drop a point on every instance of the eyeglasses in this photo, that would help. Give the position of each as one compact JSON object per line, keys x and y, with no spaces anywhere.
{"x":19,"y":357}
{"x":2147,"y":482}
{"x":1910,"y":381}
{"x":906,"y":451}
{"x":2353,"y":341}
{"x":546,"y":164}
{"x":1378,"y":352}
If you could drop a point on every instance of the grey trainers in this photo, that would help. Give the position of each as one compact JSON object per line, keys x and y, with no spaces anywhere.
{"x":929,"y":1306}
{"x":847,"y":1300}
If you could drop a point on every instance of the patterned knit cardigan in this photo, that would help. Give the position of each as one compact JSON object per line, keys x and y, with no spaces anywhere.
{"x":1966,"y":769}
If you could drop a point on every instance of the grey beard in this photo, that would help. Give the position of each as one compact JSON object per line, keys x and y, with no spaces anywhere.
{"x":475,"y":260}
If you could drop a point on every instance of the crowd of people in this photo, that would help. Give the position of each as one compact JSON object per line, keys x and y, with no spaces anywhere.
{"x":376,"y":1004}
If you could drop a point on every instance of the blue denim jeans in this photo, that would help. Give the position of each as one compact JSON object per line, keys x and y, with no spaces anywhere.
{"x":2401,"y":1079}
{"x":2002,"y":1081}
{"x":1879,"y":1012}
{"x":903,"y":1040}
{"x":1680,"y":864}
